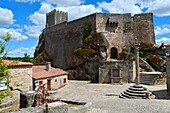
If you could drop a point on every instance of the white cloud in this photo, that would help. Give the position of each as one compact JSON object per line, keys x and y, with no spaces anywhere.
{"x":6,"y":17}
{"x":20,"y":52}
{"x":121,"y":6}
{"x":38,"y":20}
{"x":39,"y":17}
{"x":158,"y":7}
{"x":63,"y":3}
{"x":164,"y":40}
{"x":33,"y":31}
{"x":75,"y":12}
{"x":25,"y":1}
{"x":165,"y":29}
{"x":16,"y":34}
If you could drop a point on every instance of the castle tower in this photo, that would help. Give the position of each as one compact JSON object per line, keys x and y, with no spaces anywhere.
{"x":143,"y":28}
{"x":56,"y":17}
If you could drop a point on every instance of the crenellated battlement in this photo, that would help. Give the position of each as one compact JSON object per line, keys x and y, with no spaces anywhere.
{"x":56,"y":17}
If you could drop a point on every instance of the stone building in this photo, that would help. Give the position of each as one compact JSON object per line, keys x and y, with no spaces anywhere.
{"x":52,"y":78}
{"x":20,"y":74}
{"x":118,"y":33}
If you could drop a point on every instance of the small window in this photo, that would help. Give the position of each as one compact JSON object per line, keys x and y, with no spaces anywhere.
{"x":55,"y":80}
{"x":64,"y":80}
{"x":40,"y":82}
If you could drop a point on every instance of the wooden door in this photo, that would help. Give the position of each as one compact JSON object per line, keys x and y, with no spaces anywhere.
{"x":49,"y":84}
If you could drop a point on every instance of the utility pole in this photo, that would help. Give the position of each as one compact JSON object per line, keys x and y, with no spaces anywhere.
{"x":137,"y":61}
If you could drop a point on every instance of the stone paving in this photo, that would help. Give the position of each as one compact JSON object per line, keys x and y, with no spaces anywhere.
{"x":96,"y":94}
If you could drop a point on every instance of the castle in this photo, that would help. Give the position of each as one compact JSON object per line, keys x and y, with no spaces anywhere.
{"x":118,"y":32}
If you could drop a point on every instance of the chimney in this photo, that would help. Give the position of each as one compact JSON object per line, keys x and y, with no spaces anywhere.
{"x":48,"y":66}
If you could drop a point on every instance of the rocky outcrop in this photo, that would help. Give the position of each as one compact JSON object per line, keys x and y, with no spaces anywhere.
{"x":40,"y":55}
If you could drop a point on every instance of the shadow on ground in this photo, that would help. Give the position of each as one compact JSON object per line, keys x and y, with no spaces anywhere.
{"x":161,"y":94}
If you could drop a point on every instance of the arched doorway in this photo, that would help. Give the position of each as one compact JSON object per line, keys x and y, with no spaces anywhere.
{"x":114,"y":53}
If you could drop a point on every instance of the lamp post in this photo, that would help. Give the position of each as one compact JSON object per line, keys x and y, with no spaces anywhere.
{"x":137,"y":61}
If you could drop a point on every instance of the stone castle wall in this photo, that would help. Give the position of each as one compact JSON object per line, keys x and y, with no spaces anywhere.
{"x":143,"y":28}
{"x":62,"y":39}
{"x":119,"y":30}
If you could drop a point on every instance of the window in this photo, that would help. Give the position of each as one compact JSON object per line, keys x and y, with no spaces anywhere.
{"x":40,"y":82}
{"x":113,"y":53}
{"x":55,"y":80}
{"x":111,"y":25}
{"x":65,"y":80}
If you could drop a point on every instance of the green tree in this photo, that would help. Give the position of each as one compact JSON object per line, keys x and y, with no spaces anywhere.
{"x":27,"y":58}
{"x":3,"y":68}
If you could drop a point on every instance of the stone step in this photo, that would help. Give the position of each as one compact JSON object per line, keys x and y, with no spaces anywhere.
{"x":135,"y":94}
{"x":137,"y":89}
{"x":123,"y":95}
{"x":144,"y":78}
{"x":147,"y":82}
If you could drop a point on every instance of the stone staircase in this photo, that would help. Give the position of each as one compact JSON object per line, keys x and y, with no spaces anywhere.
{"x":149,"y":78}
{"x":136,"y":92}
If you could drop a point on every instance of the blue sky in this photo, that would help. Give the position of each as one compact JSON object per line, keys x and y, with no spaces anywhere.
{"x":25,"y":19}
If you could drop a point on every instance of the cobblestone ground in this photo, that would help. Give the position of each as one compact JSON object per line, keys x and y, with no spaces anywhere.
{"x":96,"y":94}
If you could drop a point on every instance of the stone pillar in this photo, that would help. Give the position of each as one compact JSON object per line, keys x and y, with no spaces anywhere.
{"x":137,"y":62}
{"x":134,"y":71}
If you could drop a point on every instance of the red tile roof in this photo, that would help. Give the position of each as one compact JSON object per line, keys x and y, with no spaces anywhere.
{"x":16,"y":63}
{"x":40,"y":72}
{"x":167,"y":45}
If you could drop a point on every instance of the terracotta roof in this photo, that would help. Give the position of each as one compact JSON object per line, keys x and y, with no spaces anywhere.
{"x":167,"y":45}
{"x":40,"y":72}
{"x":16,"y":63}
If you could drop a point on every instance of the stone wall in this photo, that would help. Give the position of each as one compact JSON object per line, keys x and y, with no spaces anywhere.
{"x":56,"y":82}
{"x":62,"y":39}
{"x":21,"y":77}
{"x":105,"y":68}
{"x":143,"y":28}
{"x":56,"y":17}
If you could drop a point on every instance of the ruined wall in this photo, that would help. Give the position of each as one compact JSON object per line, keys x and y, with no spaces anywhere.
{"x":61,"y":40}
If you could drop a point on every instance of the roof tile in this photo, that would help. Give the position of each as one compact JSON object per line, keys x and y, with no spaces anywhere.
{"x":40,"y":72}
